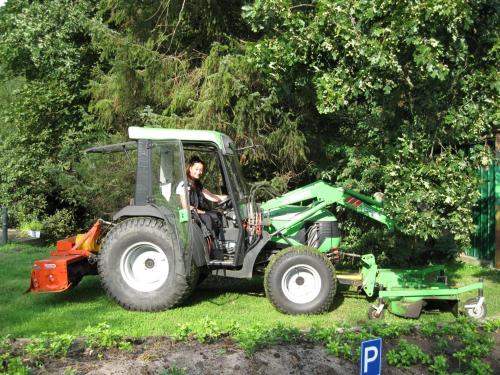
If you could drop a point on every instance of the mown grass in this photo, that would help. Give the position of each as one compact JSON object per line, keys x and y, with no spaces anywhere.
{"x":223,"y":301}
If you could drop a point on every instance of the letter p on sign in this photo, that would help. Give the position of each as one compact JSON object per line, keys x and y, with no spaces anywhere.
{"x":371,"y":357}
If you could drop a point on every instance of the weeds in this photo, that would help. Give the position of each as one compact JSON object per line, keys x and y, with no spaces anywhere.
{"x":5,"y":343}
{"x":175,"y":371}
{"x":12,"y":365}
{"x":439,"y":366}
{"x":441,"y":343}
{"x":478,"y":367}
{"x":102,"y":337}
{"x":492,"y":325}
{"x":470,"y":342}
{"x":322,"y":334}
{"x":474,"y":343}
{"x":339,"y":349}
{"x":70,"y":371}
{"x":385,"y":330}
{"x":49,"y":344}
{"x":255,"y":338}
{"x":205,"y":331}
{"x":406,"y":355}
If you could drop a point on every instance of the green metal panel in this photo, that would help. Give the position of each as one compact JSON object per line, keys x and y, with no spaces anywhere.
{"x":497,"y":179}
{"x":163,"y":134}
{"x":497,"y":203}
{"x":320,"y":191}
{"x":483,"y":241}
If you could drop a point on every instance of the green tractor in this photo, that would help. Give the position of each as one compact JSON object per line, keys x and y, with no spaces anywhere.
{"x":156,"y":250}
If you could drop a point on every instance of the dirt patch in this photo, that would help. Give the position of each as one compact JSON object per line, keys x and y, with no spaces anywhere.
{"x":157,"y":355}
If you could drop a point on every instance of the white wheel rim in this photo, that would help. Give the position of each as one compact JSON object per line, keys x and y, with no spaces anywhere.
{"x":475,"y":312}
{"x":144,"y":266}
{"x":301,"y":284}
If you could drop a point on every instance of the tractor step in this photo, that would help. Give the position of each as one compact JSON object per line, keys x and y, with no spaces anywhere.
{"x":221,"y":263}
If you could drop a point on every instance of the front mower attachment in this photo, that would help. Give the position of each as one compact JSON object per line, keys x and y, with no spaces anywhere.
{"x":73,"y":258}
{"x":407,"y":292}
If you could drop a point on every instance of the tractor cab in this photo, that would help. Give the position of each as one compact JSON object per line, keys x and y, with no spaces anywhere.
{"x":161,"y":187}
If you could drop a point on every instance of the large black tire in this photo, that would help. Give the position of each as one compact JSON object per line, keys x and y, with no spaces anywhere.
{"x":192,"y":282}
{"x":300,"y":280}
{"x":139,"y":267}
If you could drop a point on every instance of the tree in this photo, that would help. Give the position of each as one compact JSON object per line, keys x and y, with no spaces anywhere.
{"x":404,"y":95}
{"x":46,"y":51}
{"x":183,"y":64}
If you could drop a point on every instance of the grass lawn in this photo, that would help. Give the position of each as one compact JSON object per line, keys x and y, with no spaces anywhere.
{"x":220,"y":300}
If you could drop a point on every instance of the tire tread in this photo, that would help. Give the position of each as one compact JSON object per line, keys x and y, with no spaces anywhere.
{"x":291,"y":252}
{"x":181,"y":287}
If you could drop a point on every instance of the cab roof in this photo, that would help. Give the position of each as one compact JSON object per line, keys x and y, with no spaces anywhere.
{"x":184,"y":135}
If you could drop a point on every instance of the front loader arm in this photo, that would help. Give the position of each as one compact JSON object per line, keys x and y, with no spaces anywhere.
{"x":320,"y":192}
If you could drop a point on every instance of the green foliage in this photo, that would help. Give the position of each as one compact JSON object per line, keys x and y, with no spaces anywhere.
{"x":8,"y":363}
{"x":321,"y":334}
{"x":46,"y":59}
{"x":70,"y":371}
{"x":479,"y":367}
{"x":256,"y":337}
{"x":346,"y":343}
{"x":12,"y":365}
{"x":400,"y":92}
{"x":49,"y":344}
{"x":492,"y":325}
{"x":406,"y":355}
{"x":5,"y":343}
{"x":380,"y":329}
{"x":30,"y":225}
{"x":471,"y":341}
{"x":59,"y":224}
{"x":439,"y":366}
{"x":103,"y":337}
{"x":175,"y":371}
{"x":206,"y":330}
{"x":340,"y":349}
{"x":476,"y":343}
{"x":250,"y":339}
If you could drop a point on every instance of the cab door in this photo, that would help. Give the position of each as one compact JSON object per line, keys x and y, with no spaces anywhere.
{"x":169,"y":186}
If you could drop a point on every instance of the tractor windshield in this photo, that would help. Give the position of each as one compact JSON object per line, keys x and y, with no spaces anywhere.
{"x":236,"y":175}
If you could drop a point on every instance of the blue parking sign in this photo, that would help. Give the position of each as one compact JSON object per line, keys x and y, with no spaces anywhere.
{"x":371,"y":357}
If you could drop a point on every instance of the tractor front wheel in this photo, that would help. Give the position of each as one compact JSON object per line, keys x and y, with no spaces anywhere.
{"x":139,"y":267}
{"x":300,"y":280}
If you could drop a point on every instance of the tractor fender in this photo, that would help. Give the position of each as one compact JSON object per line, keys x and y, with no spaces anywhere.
{"x":133,"y":211}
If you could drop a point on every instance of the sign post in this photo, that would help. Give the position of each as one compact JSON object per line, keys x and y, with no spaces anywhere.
{"x":371,"y":357}
{"x":5,"y":226}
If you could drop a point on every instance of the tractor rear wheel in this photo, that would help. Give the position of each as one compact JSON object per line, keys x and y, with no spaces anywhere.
{"x":300,"y":280}
{"x":139,"y":267}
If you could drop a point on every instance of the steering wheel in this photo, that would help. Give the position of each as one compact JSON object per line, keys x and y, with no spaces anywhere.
{"x":222,"y":203}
